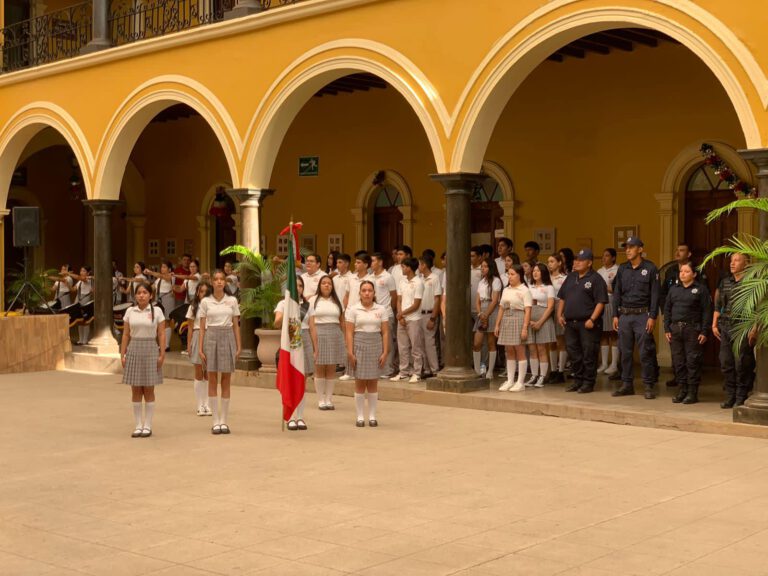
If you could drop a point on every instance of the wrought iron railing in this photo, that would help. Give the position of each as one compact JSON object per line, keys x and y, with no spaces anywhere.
{"x":47,"y":38}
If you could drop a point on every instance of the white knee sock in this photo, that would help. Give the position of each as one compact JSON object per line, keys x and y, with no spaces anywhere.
{"x":168,"y":337}
{"x":329,"y":384}
{"x":476,"y":361}
{"x":298,"y":414}
{"x":373,"y":400}
{"x":491,"y":363}
{"x":543,"y":368}
{"x":553,"y":359}
{"x":614,"y":356}
{"x":213,"y":404}
{"x":320,"y":390}
{"x":360,"y":405}
{"x":534,"y":367}
{"x":137,"y":414}
{"x":604,"y":356}
{"x":522,"y":368}
{"x":199,"y":393}
{"x":224,"y":410}
{"x":511,"y":365}
{"x":149,"y":412}
{"x":563,"y":356}
{"x":86,"y":334}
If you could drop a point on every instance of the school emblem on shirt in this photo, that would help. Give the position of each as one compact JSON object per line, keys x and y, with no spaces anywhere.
{"x":587,"y":285}
{"x":294,"y":333}
{"x":644,"y":272}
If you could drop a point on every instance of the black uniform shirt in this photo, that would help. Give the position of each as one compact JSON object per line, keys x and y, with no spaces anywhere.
{"x":672,"y":277}
{"x":691,"y":305}
{"x":637,"y":288}
{"x":581,"y":295}
{"x":725,"y":296}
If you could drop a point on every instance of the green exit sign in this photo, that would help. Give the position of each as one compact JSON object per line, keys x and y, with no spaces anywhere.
{"x":309,"y":165}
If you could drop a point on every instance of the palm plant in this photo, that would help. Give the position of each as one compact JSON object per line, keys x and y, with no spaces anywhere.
{"x":750,"y":305}
{"x":17,"y":279}
{"x":263,"y":279}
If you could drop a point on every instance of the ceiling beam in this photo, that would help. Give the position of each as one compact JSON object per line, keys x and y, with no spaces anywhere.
{"x":632,"y":36}
{"x":612,"y":41}
{"x":570,"y":51}
{"x":588,"y":46}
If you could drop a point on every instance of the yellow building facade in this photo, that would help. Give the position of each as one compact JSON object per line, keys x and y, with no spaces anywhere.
{"x":580,"y":119}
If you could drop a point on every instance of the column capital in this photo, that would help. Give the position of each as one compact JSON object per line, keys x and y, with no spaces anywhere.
{"x":250,"y":197}
{"x":758,"y":157}
{"x":459,"y":182}
{"x":4,"y":212}
{"x":101,"y":206}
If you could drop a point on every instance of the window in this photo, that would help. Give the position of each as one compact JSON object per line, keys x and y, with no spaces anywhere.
{"x":388,"y":197}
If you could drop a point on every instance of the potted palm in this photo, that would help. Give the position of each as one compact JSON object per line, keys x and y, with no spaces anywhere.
{"x":262,"y":280}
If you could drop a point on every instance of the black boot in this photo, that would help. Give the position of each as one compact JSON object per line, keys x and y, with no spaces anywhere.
{"x":693,"y":395}
{"x":681,"y":395}
{"x":728,"y":403}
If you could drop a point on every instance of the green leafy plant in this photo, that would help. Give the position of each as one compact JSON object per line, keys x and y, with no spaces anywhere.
{"x":750,"y":306}
{"x":262,"y":280}
{"x":29,"y":298}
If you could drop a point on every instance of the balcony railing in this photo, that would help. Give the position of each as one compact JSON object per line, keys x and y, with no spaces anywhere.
{"x":47,"y":38}
{"x":64,"y":33}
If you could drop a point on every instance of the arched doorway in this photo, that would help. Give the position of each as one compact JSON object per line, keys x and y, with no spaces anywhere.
{"x":222,"y":228}
{"x":387,"y":219}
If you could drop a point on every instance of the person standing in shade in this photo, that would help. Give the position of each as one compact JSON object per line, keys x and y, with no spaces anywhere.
{"x":386,"y":295}
{"x":430,"y":314}
{"x":512,"y":327}
{"x":542,"y":332}
{"x":352,"y":297}
{"x":312,"y":276}
{"x":202,"y":289}
{"x":180,"y":292}
{"x":739,"y":371}
{"x":609,"y":339}
{"x":164,"y":297}
{"x":583,"y":297}
{"x":636,"y":306}
{"x":325,"y":326}
{"x":558,"y":357}
{"x":486,"y":313}
{"x":62,"y":286}
{"x":532,"y":250}
{"x":367,"y":325}
{"x":410,"y":340}
{"x":503,"y":248}
{"x":84,"y":291}
{"x":142,"y":352}
{"x":219,"y":347}
{"x":687,"y":317}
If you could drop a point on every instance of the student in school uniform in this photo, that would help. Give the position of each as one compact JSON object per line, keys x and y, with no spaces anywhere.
{"x":84,"y":292}
{"x":62,"y":286}
{"x":352,"y":297}
{"x":325,"y":325}
{"x":312,"y":276}
{"x":128,"y":285}
{"x":512,"y":327}
{"x":503,"y":248}
{"x":403,"y":253}
{"x":386,"y":295}
{"x":219,"y":347}
{"x":430,"y":314}
{"x":164,"y":296}
{"x":331,"y":264}
{"x":341,"y":280}
{"x":142,"y":353}
{"x":542,"y":328}
{"x":367,"y":326}
{"x":609,"y":342}
{"x":410,"y":340}
{"x":202,"y":289}
{"x":558,"y":356}
{"x":486,"y":300}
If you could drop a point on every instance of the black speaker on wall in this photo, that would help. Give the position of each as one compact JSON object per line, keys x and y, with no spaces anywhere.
{"x":26,"y":226}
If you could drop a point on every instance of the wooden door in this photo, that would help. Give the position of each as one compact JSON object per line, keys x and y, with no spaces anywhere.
{"x":387,"y":228}
{"x":486,"y":218}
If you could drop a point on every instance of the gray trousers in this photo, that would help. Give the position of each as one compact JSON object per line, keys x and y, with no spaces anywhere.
{"x":410,"y":346}
{"x":392,"y":366}
{"x":430,"y":344}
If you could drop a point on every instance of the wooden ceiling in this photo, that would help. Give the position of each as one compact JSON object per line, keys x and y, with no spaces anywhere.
{"x":624,"y":39}
{"x":352,"y":83}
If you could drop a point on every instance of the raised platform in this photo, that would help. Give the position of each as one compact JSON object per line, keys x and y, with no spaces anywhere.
{"x":33,"y":343}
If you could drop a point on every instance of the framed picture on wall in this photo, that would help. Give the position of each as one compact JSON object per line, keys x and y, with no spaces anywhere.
{"x":545,"y":238}
{"x":282,"y":245}
{"x":621,"y":233}
{"x":335,"y":243}
{"x":307,"y":243}
{"x":153,"y":248}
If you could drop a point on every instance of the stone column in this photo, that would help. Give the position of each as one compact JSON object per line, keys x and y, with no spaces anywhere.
{"x":136,"y":239}
{"x":102,"y":338}
{"x":3,"y":214}
{"x":358,"y":218}
{"x":203,"y":228}
{"x":667,"y":243}
{"x":100,"y":37}
{"x":407,"y":212}
{"x":458,"y":374}
{"x":755,"y":410}
{"x":250,"y":201}
{"x":244,"y":8}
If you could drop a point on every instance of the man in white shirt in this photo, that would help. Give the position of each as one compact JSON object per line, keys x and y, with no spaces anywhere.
{"x":386,"y":295}
{"x":362,"y":262}
{"x":397,"y":270}
{"x":475,"y":259}
{"x":341,"y":280}
{"x":430,"y":312}
{"x":503,"y":247}
{"x":312,"y":276}
{"x":410,"y":340}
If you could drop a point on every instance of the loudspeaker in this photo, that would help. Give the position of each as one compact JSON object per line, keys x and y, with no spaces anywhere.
{"x":26,"y":226}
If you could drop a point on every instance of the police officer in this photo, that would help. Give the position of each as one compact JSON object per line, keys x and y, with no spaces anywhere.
{"x":687,"y":317}
{"x":635,"y":308}
{"x":583,"y":297}
{"x":739,"y":372}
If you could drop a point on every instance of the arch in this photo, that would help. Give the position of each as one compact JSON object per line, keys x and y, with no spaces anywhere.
{"x":25,"y":125}
{"x":498,"y":173}
{"x":324,"y":64}
{"x":135,"y":113}
{"x":362,"y":213}
{"x":529,"y":43}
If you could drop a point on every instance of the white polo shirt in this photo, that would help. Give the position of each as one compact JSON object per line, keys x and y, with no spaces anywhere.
{"x":310,"y":282}
{"x":432,"y":289}
{"x":324,"y":310}
{"x":385,"y":285}
{"x":142,"y":323}
{"x":410,"y":291}
{"x":367,"y":319}
{"x":341,"y":285}
{"x":354,"y":288}
{"x":219,"y":313}
{"x":397,"y":275}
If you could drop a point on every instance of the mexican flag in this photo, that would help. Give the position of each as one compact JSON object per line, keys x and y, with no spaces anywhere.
{"x":290,"y":371}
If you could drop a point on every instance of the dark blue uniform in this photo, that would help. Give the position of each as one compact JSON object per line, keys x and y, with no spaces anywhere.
{"x":635,"y":299}
{"x":580,"y":296}
{"x":739,"y":371}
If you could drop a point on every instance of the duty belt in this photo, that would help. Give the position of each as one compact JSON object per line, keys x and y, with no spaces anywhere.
{"x":643,"y":310}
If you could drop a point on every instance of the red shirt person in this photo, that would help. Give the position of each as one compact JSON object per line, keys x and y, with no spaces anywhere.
{"x":181,"y":270}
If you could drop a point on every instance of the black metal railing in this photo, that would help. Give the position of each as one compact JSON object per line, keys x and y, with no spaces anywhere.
{"x":47,"y":38}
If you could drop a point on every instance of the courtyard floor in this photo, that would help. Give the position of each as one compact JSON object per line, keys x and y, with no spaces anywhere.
{"x":433,"y":491}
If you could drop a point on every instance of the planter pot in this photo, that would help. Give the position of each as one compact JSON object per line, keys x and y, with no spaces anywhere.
{"x":267,"y":348}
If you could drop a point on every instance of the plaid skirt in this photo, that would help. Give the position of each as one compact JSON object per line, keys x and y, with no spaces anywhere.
{"x":559,"y":330}
{"x":368,"y":348}
{"x":511,"y":327}
{"x":546,"y":333}
{"x":194,"y":353}
{"x":309,"y":353}
{"x":141,"y":363}
{"x":219,"y":348}
{"x":608,"y":315}
{"x":330,"y":345}
{"x":491,"y":319}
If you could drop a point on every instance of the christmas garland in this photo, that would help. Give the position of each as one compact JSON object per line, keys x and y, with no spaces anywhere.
{"x":725,"y":172}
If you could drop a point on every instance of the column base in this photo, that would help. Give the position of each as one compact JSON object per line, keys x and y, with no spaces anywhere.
{"x":754,"y":411}
{"x":458,"y":380}
{"x":96,"y":45}
{"x":242,"y":10}
{"x":100,"y":347}
{"x":248,"y":361}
